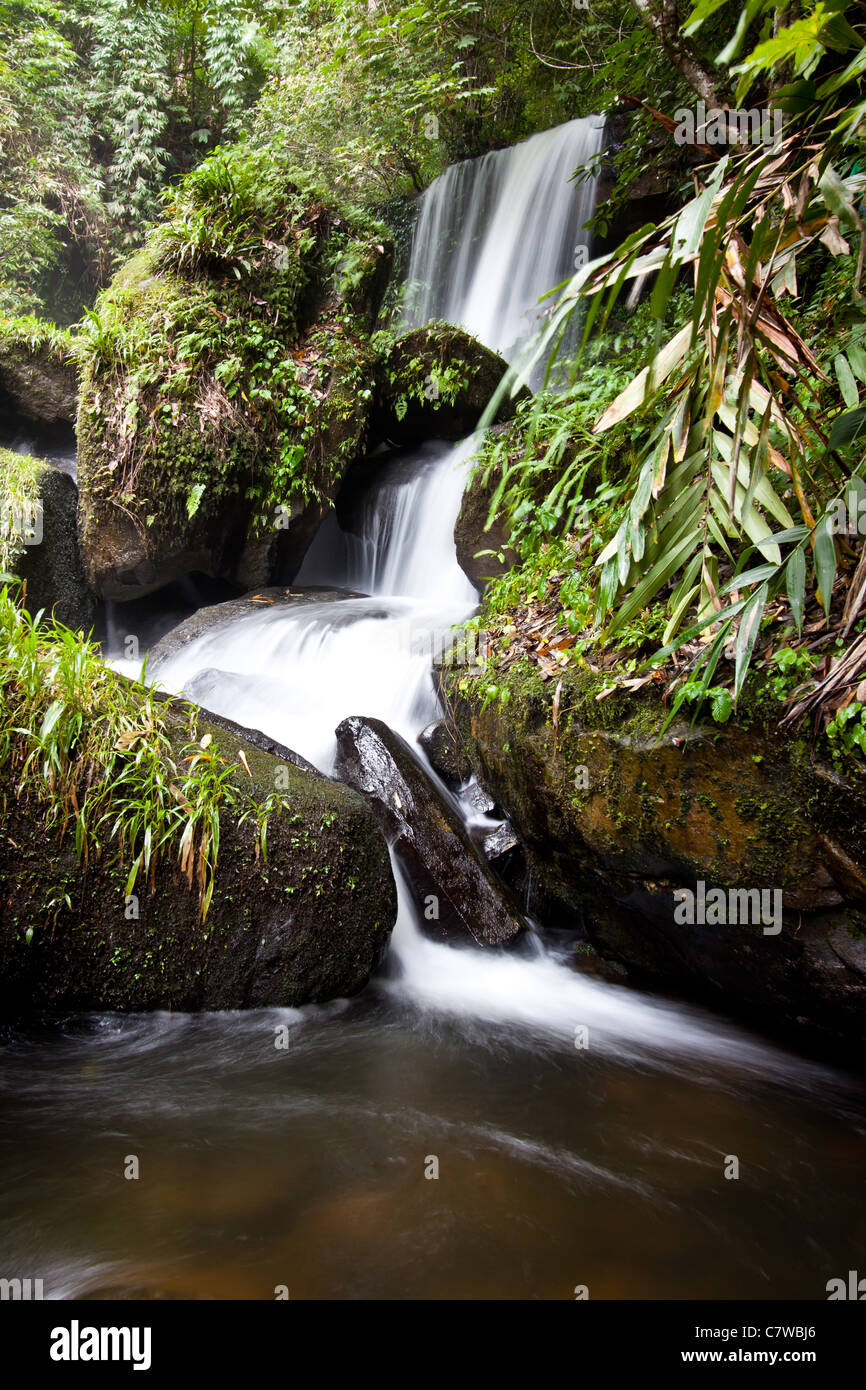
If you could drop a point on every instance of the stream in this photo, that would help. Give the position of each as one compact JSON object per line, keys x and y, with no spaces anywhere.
{"x":446,"y":1134}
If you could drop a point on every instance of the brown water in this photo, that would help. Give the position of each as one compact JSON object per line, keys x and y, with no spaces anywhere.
{"x":305,"y":1167}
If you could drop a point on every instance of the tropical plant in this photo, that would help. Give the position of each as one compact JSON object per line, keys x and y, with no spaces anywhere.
{"x":752,"y":445}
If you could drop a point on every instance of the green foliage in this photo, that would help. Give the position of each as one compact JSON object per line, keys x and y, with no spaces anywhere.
{"x":736,"y":485}
{"x":792,"y":666}
{"x":102,"y":104}
{"x":202,"y":380}
{"x":99,"y":755}
{"x":846,"y":732}
{"x":19,"y":499}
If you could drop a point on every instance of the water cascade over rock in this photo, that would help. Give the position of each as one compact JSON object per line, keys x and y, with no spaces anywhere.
{"x":495,"y":234}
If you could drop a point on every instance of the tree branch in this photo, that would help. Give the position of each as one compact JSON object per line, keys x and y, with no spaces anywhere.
{"x":662,"y":19}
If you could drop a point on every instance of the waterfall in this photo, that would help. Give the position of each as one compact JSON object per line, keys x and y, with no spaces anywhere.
{"x":495,"y":234}
{"x":297,"y":672}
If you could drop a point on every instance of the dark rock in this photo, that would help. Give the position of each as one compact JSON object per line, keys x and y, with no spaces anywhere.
{"x":615,"y":820}
{"x":52,"y":568}
{"x":425,"y":829}
{"x":217,"y":615}
{"x":40,"y":384}
{"x":439,"y":742}
{"x":471,"y":538}
{"x":435,"y":383}
{"x":310,"y":923}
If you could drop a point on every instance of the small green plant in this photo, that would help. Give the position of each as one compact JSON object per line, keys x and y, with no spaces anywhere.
{"x":846,"y":733}
{"x":792,"y":666}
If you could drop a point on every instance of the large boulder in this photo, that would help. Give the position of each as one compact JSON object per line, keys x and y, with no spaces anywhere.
{"x":308,"y":922}
{"x":226,"y":384}
{"x":38,"y":379}
{"x":435,"y":383}
{"x":456,"y":891}
{"x":619,"y":822}
{"x":41,"y":540}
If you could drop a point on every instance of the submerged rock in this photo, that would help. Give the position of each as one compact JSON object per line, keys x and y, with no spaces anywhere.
{"x":435,"y":383}
{"x":625,"y":832}
{"x":457,"y":891}
{"x":308,"y":923}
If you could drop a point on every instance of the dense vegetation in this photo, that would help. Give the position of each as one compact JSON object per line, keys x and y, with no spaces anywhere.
{"x":672,"y":511}
{"x":707,"y":507}
{"x":104,"y":104}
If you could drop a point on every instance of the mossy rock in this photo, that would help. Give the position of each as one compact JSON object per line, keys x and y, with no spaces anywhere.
{"x":616,"y":817}
{"x":435,"y":383}
{"x":308,"y":923}
{"x":40,"y":539}
{"x":224,"y":395}
{"x":38,"y":377}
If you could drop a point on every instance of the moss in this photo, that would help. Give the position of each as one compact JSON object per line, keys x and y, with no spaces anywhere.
{"x":225,"y":382}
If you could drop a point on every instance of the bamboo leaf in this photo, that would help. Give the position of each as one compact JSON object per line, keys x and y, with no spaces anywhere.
{"x":795,"y":584}
{"x":747,"y":635}
{"x":824,"y":552}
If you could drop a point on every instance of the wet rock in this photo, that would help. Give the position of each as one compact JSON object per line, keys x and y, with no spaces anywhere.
{"x":450,"y":877}
{"x":52,"y":566}
{"x":309,"y":923}
{"x":435,"y":383}
{"x":480,"y":800}
{"x":502,"y":851}
{"x":618,"y":822}
{"x":216,"y":615}
{"x":473,"y":539}
{"x":440,"y":744}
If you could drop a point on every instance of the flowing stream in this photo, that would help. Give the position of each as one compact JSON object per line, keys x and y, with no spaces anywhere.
{"x":310,"y":1166}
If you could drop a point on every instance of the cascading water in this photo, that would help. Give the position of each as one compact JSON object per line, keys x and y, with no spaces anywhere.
{"x":305,"y":1167}
{"x":296,"y":675}
{"x":495,"y":234}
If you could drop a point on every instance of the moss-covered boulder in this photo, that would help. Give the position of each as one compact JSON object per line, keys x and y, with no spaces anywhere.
{"x":307,"y":920}
{"x":435,"y":383}
{"x":227,"y":380}
{"x":38,"y":378}
{"x":39,"y":541}
{"x":620,"y":825}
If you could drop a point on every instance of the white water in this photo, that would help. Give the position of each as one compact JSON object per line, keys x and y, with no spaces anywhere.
{"x":495,"y":234}
{"x":296,"y":675}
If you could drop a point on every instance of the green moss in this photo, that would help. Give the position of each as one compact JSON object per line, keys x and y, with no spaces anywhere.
{"x":203,"y":393}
